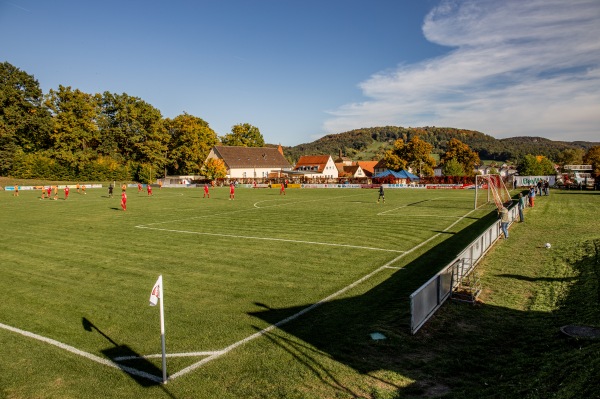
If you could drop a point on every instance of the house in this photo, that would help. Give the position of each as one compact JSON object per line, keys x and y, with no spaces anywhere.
{"x":350,"y":171}
{"x":250,"y":162}
{"x":317,"y":167}
{"x":368,"y":167}
{"x":343,"y":160}
{"x":380,"y":166}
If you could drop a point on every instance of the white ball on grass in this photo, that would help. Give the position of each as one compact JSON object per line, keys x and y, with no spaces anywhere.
{"x":548,"y":245}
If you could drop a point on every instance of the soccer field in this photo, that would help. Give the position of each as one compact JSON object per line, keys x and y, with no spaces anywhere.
{"x":77,"y":276}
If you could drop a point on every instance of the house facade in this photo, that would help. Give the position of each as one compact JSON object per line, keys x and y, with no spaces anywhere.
{"x":250,"y":163}
{"x":350,"y":171}
{"x":368,"y":167}
{"x":317,"y":167}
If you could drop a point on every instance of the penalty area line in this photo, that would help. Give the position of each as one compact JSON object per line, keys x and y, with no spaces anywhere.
{"x":271,"y":239}
{"x":260,"y":333}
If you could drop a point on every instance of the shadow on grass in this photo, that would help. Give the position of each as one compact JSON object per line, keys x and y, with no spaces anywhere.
{"x":480,"y":350}
{"x":132,"y":363}
{"x":527,"y":278}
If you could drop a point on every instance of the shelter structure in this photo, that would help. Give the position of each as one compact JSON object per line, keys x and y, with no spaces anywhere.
{"x":391,"y":176}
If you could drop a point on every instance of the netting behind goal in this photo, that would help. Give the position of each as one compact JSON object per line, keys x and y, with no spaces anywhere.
{"x":490,"y":189}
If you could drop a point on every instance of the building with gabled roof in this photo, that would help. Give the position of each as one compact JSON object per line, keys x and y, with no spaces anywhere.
{"x":317,"y":167}
{"x":250,"y":162}
{"x":368,"y":167}
{"x":350,"y":171}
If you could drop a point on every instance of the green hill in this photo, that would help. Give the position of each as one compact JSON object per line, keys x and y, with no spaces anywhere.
{"x":371,"y":143}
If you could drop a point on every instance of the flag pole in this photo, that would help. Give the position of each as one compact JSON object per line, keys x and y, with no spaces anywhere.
{"x":162,"y":332}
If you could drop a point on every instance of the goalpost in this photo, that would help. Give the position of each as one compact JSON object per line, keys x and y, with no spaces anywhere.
{"x":491,"y":188}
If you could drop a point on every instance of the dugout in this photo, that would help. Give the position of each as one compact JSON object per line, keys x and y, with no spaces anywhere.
{"x":179,"y":181}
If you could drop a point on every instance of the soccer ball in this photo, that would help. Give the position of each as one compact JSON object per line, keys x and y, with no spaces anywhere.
{"x":548,"y":245}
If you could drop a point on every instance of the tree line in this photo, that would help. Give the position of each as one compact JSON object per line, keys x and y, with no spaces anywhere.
{"x":67,"y":134}
{"x":513,"y":150}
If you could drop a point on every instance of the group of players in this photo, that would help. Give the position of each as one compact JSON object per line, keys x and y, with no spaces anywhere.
{"x":48,"y":191}
{"x":124,"y":192}
{"x":81,"y":189}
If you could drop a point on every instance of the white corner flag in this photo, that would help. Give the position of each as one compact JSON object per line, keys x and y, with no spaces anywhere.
{"x":155,"y":295}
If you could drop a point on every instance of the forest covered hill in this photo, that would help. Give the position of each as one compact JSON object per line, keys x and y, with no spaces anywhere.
{"x":371,"y":143}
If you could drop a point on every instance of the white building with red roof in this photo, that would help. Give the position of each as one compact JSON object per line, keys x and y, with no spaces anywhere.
{"x":317,"y":167}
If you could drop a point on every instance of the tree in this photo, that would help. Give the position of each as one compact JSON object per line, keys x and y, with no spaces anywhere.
{"x":532,"y":165}
{"x":414,"y":154}
{"x":392,"y":157}
{"x":214,"y":169}
{"x":190,"y":142}
{"x":75,"y":136}
{"x":418,"y":156}
{"x":592,"y":157}
{"x":244,"y":135}
{"x":8,"y":149}
{"x":463,"y":154}
{"x":132,"y":130}
{"x":571,"y":156}
{"x":453,"y":168}
{"x":24,"y":122}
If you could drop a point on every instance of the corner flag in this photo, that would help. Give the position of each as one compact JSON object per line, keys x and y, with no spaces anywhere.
{"x":155,"y":295}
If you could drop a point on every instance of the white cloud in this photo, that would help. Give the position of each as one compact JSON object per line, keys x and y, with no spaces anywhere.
{"x":515,"y":68}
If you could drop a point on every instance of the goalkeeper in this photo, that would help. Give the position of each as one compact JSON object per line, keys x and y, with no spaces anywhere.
{"x":381,"y":194}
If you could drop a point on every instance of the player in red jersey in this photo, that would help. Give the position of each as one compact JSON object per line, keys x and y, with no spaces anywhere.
{"x":124,"y":200}
{"x":206,"y":193}
{"x":149,"y":188}
{"x":66,"y":192}
{"x":232,"y":191}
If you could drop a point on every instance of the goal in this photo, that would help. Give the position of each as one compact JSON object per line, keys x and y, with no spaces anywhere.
{"x":490,"y":189}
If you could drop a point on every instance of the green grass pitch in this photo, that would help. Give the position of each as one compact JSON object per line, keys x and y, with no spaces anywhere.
{"x":80,"y":271}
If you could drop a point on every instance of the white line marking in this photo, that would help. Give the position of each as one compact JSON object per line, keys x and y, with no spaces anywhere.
{"x":215,"y":354}
{"x":79,"y":352}
{"x":308,"y":309}
{"x":272,"y":239}
{"x":407,"y":205}
{"x":294,"y":202}
{"x":244,"y":210}
{"x":158,"y":355}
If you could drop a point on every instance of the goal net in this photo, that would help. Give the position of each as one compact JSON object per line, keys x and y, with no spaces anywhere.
{"x":490,"y":189}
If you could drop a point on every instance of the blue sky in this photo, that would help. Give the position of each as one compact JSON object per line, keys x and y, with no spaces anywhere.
{"x":299,"y":70}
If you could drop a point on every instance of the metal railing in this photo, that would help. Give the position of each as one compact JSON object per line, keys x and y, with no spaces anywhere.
{"x":430,"y":296}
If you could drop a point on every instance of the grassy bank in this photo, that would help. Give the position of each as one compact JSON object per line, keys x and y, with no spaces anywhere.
{"x":510,"y":345}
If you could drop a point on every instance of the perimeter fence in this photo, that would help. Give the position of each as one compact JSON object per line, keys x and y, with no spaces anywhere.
{"x":427,"y":299}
